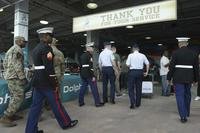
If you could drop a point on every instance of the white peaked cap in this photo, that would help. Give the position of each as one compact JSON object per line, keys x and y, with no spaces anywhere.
{"x":182,"y":39}
{"x":45,"y":30}
{"x":90,"y":44}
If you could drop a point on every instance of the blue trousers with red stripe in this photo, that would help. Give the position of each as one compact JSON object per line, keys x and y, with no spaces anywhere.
{"x":39,"y":94}
{"x":93,"y":87}
{"x":183,"y":98}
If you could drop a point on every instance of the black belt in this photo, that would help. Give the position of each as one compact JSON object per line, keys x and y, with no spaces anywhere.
{"x":136,"y":69}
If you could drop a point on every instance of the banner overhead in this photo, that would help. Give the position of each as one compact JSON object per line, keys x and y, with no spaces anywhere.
{"x":148,"y":13}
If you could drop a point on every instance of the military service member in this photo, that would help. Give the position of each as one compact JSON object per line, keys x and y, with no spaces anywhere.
{"x":183,"y":61}
{"x":108,"y":67}
{"x":58,"y":61}
{"x":87,"y":76}
{"x":117,"y":71}
{"x":15,"y":76}
{"x":135,"y":62}
{"x":45,"y":85}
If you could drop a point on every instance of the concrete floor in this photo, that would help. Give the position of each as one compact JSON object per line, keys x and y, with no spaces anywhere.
{"x":156,"y":115}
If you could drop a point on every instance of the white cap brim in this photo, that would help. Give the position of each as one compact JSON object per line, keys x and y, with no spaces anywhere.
{"x":91,"y":44}
{"x":182,"y":39}
{"x":45,"y":30}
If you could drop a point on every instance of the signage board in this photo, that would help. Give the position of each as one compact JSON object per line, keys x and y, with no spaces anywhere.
{"x":148,"y":13}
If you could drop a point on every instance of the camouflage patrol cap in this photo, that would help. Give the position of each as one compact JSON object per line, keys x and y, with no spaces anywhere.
{"x":19,"y":38}
{"x":54,"y":41}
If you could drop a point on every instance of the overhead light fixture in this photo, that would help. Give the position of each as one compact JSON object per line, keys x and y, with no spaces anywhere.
{"x":44,"y":22}
{"x":92,"y":5}
{"x":112,"y":41}
{"x":1,"y":9}
{"x":129,"y":47}
{"x":85,"y":34}
{"x":148,"y":37}
{"x":129,"y":26}
{"x":12,"y":32}
{"x":160,"y":44}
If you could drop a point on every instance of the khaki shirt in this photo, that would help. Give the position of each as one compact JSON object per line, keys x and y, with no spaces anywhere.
{"x":14,"y":63}
{"x":59,"y":63}
{"x":117,"y":59}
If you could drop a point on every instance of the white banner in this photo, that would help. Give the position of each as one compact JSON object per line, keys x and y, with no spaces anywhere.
{"x":148,"y":13}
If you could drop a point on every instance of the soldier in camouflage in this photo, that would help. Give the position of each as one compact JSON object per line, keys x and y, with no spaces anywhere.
{"x":15,"y":76}
{"x":59,"y":61}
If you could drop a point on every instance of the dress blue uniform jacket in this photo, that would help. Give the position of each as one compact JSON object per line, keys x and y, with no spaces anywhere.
{"x":86,"y":59}
{"x":185,"y":57}
{"x":43,"y":56}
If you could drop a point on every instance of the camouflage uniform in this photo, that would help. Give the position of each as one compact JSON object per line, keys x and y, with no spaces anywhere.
{"x":117,"y":74}
{"x":59,"y":68}
{"x":59,"y":64}
{"x":15,"y":76}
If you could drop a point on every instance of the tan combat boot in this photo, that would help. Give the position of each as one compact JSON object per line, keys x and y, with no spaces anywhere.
{"x":7,"y":122}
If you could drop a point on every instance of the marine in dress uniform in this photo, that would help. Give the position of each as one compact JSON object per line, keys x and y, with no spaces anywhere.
{"x":183,"y":70}
{"x":135,"y":62}
{"x":45,"y":85}
{"x":87,"y":76}
{"x":15,"y":76}
{"x":107,"y":66}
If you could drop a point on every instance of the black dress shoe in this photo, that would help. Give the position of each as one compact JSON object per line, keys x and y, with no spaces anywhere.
{"x":188,"y":115}
{"x":105,"y":101}
{"x":99,"y":105}
{"x":81,"y":104}
{"x":112,"y":101}
{"x":72,"y":124}
{"x":183,"y":120}
{"x":16,"y":117}
{"x":40,"y":131}
{"x":132,"y":107}
{"x":137,"y":106}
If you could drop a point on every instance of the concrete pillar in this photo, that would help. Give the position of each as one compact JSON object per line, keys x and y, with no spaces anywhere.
{"x":21,"y":24}
{"x":93,"y":36}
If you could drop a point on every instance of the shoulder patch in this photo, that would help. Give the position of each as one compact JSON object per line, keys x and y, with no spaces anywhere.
{"x":49,"y":56}
{"x":19,"y":55}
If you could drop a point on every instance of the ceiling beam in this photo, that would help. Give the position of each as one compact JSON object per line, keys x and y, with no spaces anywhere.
{"x":56,"y":8}
{"x":7,"y":2}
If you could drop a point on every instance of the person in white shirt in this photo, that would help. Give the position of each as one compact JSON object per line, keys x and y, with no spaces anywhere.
{"x":164,"y":64}
{"x":136,"y":62}
{"x":107,"y":66}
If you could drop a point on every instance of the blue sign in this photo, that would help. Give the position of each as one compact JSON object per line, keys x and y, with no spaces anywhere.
{"x":69,"y":91}
{"x":70,"y":87}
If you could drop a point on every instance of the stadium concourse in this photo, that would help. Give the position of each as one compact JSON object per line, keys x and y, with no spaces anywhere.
{"x":156,"y":115}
